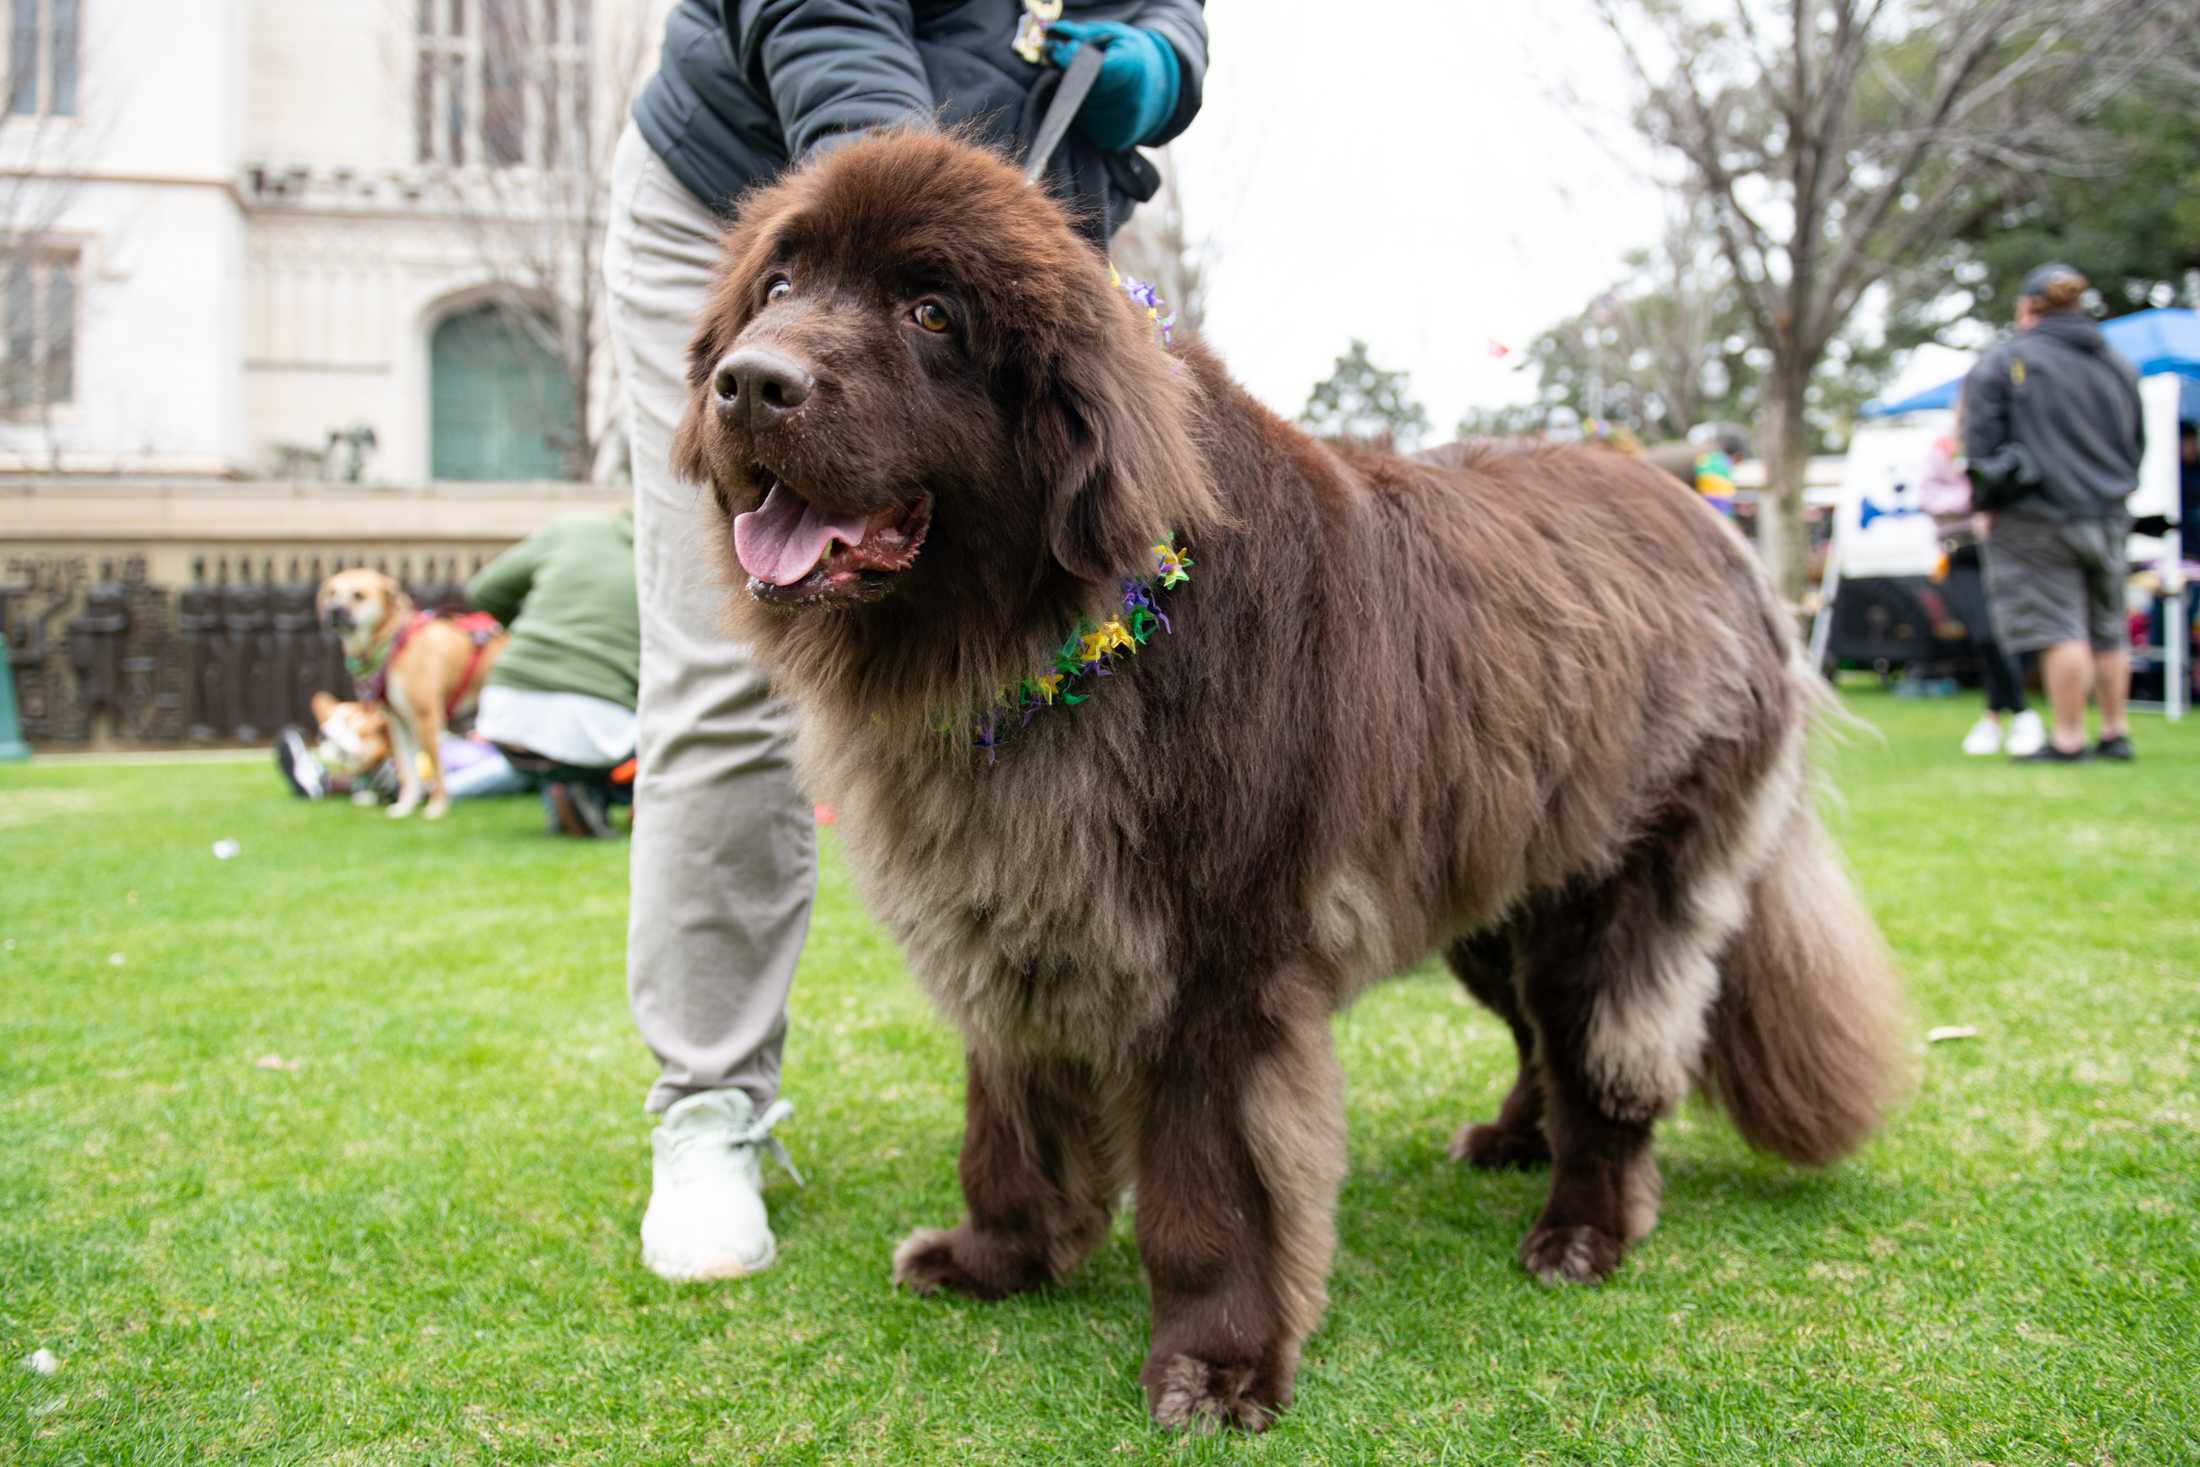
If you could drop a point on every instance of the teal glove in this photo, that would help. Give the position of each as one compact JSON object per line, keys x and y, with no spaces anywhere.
{"x":1135,"y":94}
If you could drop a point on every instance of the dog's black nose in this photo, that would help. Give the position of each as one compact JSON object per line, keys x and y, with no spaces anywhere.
{"x":758,"y":387}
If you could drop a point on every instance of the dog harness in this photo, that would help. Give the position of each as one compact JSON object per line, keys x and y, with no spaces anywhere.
{"x":479,"y":626}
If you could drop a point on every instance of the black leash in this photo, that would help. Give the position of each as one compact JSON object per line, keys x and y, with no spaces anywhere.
{"x":1077,"y":80}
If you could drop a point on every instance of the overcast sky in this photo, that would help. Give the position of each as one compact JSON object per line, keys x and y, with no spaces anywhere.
{"x":1405,"y":172}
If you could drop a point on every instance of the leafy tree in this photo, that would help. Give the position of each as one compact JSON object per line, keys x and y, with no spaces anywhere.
{"x":1623,"y":389}
{"x":1361,"y":400}
{"x":1512,"y":420}
{"x":1660,"y":352}
{"x":2130,"y":219}
{"x":1668,"y":346}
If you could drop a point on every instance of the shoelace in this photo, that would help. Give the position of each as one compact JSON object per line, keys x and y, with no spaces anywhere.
{"x":759,"y":1133}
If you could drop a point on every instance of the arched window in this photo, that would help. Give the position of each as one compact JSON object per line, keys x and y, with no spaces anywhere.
{"x":500,"y":406}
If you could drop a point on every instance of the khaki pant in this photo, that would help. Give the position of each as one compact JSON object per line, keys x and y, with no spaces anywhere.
{"x":724,"y":853}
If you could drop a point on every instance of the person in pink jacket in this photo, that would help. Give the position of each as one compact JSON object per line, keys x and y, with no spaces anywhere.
{"x":2008,"y":725}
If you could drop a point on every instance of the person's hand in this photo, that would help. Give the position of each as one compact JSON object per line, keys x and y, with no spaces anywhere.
{"x":1982,"y":525}
{"x":1136,"y":90}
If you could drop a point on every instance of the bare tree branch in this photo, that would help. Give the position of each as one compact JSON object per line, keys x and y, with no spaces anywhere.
{"x":1880,"y":126}
{"x":1745,"y":241}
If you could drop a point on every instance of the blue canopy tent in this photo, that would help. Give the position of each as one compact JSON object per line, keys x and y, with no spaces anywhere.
{"x":2153,"y":341}
{"x":1932,"y":399}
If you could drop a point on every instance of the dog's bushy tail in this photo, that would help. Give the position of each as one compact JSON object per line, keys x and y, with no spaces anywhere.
{"x":1806,"y":1051}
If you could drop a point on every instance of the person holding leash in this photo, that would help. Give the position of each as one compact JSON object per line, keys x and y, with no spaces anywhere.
{"x":724,"y":863}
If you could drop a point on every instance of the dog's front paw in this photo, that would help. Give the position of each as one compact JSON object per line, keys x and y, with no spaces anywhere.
{"x":436,"y":809}
{"x":1192,"y":1394}
{"x":1494,"y":1148}
{"x":402,"y":809}
{"x":1578,"y":1254}
{"x":956,"y":1259}
{"x":925,"y":1262}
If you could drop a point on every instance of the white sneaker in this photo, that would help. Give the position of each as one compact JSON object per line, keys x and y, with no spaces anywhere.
{"x":706,"y":1209}
{"x":2027,"y":735}
{"x":1983,"y":739}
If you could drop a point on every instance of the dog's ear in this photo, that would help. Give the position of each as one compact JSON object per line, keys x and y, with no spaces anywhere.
{"x":323,"y":705}
{"x":1111,"y":446}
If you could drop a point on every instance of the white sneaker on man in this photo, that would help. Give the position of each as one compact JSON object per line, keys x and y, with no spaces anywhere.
{"x":2027,"y":735}
{"x":706,"y":1215}
{"x":1984,"y":737}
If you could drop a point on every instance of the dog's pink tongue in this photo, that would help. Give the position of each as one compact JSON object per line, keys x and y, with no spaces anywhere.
{"x":779,"y":543}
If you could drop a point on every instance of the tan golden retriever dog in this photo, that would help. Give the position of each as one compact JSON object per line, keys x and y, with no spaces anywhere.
{"x":422,"y":671}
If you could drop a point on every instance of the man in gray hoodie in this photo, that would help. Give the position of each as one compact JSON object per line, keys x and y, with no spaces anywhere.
{"x":2053,"y":434}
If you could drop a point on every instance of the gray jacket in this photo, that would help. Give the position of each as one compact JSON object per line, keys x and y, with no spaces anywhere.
{"x":744,"y":86}
{"x":2051,"y":423}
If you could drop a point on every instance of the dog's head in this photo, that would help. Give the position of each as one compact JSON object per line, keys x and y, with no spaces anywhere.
{"x":360,"y":604}
{"x":355,"y":739}
{"x":917,"y":397}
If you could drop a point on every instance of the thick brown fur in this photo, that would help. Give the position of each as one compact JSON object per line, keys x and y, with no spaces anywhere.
{"x":1536,"y":708}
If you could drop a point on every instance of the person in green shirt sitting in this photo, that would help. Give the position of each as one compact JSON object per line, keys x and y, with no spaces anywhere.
{"x":560,"y":701}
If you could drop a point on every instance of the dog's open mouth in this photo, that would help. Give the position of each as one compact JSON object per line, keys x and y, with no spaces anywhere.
{"x":797,"y":554}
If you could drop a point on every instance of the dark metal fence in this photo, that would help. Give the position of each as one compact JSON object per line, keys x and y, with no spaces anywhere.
{"x":101,"y":654}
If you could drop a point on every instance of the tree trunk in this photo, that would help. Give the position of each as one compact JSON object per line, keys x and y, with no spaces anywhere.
{"x":1782,"y":536}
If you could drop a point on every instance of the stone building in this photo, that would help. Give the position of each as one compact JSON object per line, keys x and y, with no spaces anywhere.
{"x":309,"y":238}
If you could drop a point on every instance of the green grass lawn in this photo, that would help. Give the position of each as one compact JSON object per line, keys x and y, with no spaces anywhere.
{"x":419,"y":1244}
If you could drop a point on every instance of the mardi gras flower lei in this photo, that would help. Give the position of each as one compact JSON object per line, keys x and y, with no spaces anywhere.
{"x":1089,"y":652}
{"x":1146,"y":296}
{"x":1091,"y":648}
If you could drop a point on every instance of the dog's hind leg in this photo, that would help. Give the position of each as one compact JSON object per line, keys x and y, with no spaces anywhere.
{"x":1240,"y":1154}
{"x":1485,"y":965}
{"x":1039,"y":1176}
{"x":405,"y":750}
{"x":1620,"y":979}
{"x":429,"y":731}
{"x":1618,"y":1003}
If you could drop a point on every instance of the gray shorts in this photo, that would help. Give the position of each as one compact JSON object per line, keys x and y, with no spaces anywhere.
{"x":2051,"y":581}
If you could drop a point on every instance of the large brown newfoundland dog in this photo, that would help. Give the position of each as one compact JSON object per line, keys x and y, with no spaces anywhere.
{"x":1159,"y":730}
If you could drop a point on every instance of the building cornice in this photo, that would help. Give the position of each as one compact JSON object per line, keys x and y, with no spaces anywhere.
{"x":227,"y":187}
{"x":425,"y":192}
{"x":150,"y":510}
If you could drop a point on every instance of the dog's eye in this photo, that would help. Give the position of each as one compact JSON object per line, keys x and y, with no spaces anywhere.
{"x":779,"y":288}
{"x":931,"y":315}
